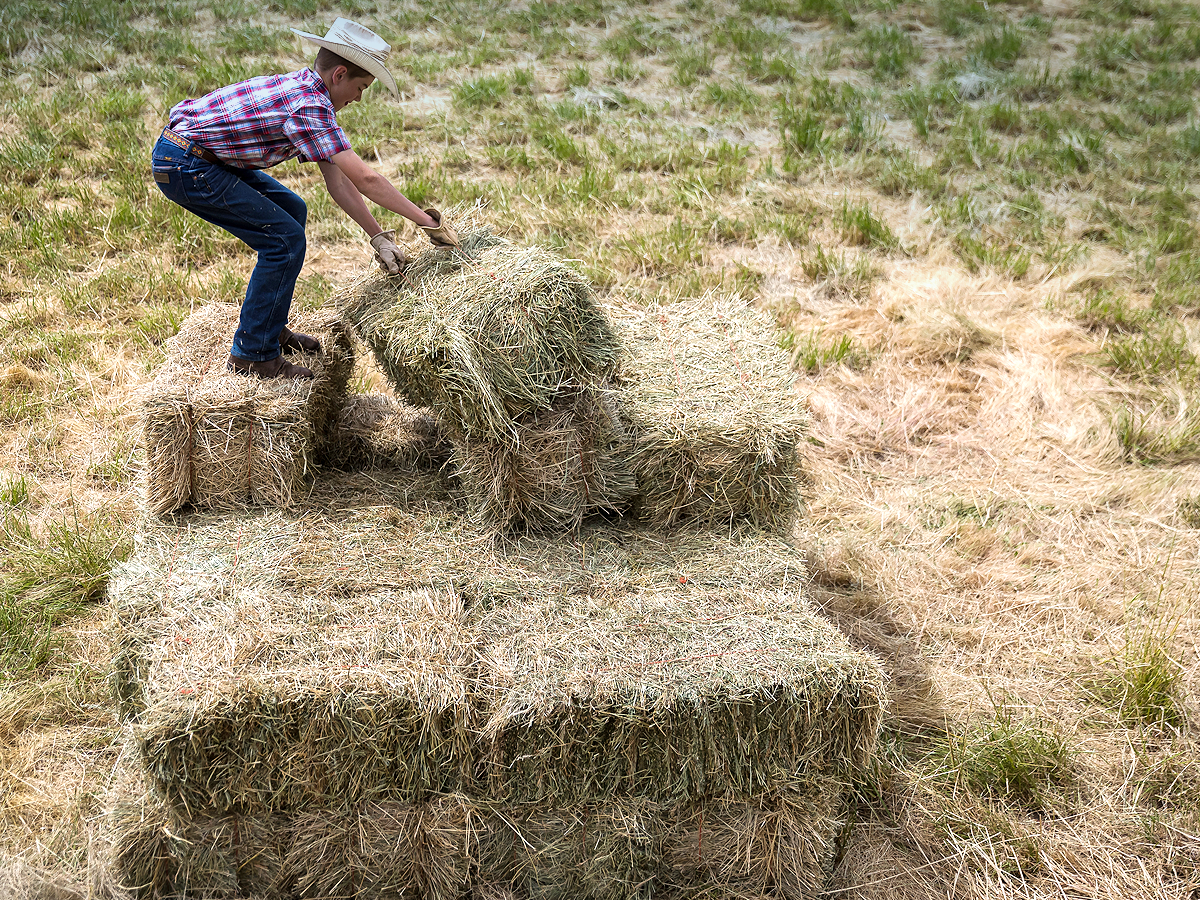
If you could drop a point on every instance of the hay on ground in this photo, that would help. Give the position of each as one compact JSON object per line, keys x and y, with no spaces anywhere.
{"x":486,"y":334}
{"x":375,"y":430}
{"x":713,"y":417}
{"x":215,"y":439}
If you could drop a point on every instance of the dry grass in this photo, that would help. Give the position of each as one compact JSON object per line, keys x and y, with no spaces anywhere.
{"x":972,"y":518}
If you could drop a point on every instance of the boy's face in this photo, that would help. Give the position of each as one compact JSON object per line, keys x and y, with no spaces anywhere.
{"x":344,"y":90}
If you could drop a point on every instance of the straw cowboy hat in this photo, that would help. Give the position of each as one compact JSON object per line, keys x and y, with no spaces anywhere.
{"x":358,"y":45}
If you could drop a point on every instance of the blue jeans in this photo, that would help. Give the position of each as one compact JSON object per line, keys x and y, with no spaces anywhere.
{"x":260,"y":211}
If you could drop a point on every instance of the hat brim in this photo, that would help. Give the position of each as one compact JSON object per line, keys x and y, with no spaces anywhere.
{"x":356,"y":56}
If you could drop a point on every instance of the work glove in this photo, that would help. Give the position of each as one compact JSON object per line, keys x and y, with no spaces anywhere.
{"x":391,"y":258}
{"x":442,"y":235}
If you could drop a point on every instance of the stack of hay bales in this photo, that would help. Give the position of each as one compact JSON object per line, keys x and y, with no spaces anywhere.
{"x":215,"y":439}
{"x":384,"y":703}
{"x":685,"y":413}
{"x":510,"y":349}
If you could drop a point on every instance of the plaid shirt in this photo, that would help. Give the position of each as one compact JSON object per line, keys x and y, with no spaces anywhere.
{"x":264,"y":121}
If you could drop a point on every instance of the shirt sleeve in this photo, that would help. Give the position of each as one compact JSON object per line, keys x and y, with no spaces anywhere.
{"x":315,"y":133}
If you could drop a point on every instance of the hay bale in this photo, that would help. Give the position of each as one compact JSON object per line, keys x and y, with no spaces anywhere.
{"x":383,"y":850}
{"x":713,"y":417}
{"x":255,"y":697}
{"x":217,"y":440}
{"x":667,"y":692}
{"x":486,"y":334}
{"x":441,"y":849}
{"x":375,"y":430}
{"x":558,"y":467}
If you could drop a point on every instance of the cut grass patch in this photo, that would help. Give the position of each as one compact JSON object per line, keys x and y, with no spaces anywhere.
{"x":813,"y":351}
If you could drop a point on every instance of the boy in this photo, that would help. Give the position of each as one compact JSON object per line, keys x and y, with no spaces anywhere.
{"x":209,"y":161}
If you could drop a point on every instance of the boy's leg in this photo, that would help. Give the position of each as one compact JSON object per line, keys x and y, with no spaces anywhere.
{"x":237,"y":201}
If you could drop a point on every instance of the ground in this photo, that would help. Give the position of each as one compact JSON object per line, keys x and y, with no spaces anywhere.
{"x":974,"y":227}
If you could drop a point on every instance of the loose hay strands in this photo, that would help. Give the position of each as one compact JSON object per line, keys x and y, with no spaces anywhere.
{"x":714,"y":418}
{"x":561,"y":466}
{"x":427,"y":659}
{"x":485,"y":334}
{"x":373,"y":429}
{"x":218,"y":439}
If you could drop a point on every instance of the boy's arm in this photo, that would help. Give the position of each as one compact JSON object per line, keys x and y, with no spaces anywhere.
{"x":370,"y":184}
{"x":346,"y":195}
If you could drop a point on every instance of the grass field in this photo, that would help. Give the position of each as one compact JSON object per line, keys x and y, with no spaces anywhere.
{"x":974,"y":224}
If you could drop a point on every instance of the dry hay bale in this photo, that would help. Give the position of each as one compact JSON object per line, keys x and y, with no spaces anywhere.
{"x":381,"y":850}
{"x":559,"y":466}
{"x":666,"y":693}
{"x":486,"y":334}
{"x":781,"y":844}
{"x":604,"y":849}
{"x":714,"y":418}
{"x":251,"y":696}
{"x":384,"y":850}
{"x":374,"y":429}
{"x":216,"y":439}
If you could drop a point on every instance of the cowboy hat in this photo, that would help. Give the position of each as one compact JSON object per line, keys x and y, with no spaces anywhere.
{"x":359,"y":45}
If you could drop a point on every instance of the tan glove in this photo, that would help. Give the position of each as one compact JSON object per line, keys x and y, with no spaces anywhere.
{"x":392,"y":259}
{"x":441,"y":235}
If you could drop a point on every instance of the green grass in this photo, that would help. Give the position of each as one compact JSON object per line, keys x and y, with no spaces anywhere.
{"x":487,"y":90}
{"x":813,"y":352}
{"x":1161,"y":429}
{"x":1016,"y":759}
{"x":52,"y":573}
{"x":837,"y":12}
{"x":861,"y":227}
{"x":1144,"y":684}
{"x":887,"y":51}
{"x":1163,"y":351}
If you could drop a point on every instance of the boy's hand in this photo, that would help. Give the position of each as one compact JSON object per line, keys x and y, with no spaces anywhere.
{"x":391,"y":258}
{"x":442,"y":235}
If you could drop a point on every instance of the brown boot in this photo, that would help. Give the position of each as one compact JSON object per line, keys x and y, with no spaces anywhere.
{"x":271,"y":368}
{"x":290,"y":341}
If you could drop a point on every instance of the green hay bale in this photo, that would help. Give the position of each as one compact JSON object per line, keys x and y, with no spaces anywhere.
{"x":486,"y":334}
{"x":712,"y":413}
{"x":215,"y":439}
{"x":558,"y":467}
{"x":375,"y":430}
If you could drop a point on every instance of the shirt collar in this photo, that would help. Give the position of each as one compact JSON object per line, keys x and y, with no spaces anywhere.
{"x":307,"y":74}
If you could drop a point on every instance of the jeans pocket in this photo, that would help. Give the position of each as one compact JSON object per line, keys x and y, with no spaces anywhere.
{"x":167,"y":178}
